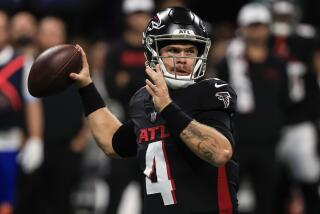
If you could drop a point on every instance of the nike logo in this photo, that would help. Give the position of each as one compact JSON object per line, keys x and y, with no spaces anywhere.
{"x":219,"y":85}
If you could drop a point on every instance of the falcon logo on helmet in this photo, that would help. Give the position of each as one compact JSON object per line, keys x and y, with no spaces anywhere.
{"x":155,"y":24}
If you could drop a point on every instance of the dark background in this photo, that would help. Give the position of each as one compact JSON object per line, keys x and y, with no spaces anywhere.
{"x":103,"y":18}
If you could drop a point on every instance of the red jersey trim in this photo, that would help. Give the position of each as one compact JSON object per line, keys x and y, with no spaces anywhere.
{"x":224,"y":199}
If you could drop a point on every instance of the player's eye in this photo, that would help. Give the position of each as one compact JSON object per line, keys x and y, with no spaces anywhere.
{"x":174,"y":50}
{"x":191,"y":51}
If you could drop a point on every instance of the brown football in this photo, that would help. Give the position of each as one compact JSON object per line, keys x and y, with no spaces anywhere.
{"x":49,"y":74}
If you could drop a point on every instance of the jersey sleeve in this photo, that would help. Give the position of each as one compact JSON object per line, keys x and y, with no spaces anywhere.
{"x":218,"y":107}
{"x":221,"y":121}
{"x":124,"y":140}
{"x":218,"y":95}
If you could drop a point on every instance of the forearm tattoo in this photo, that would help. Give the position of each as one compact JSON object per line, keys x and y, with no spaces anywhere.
{"x":205,"y":145}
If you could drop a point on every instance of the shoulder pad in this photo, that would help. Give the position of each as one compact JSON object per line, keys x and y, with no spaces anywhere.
{"x":218,"y":95}
{"x":138,"y":96}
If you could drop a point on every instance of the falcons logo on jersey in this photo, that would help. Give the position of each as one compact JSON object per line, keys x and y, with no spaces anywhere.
{"x":224,"y":97}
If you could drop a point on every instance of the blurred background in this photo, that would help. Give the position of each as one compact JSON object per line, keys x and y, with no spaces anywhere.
{"x":100,"y":18}
{"x":104,"y":18}
{"x":60,"y":169}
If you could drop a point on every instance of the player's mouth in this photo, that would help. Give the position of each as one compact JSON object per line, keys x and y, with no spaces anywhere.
{"x":182,"y":73}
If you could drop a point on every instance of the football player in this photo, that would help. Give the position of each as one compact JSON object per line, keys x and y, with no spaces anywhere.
{"x":180,"y":126}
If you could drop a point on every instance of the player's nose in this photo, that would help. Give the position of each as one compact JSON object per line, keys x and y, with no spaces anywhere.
{"x":181,"y":59}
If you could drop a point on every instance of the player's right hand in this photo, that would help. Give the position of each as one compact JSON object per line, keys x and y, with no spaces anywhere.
{"x":157,"y":88}
{"x":83,"y":78}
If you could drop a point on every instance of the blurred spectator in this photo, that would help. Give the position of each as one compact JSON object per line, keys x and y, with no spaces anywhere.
{"x":293,"y":42}
{"x":260,"y":81}
{"x":64,"y":141}
{"x":315,"y":63}
{"x":126,"y":57}
{"x":19,"y":111}
{"x":124,"y":75}
{"x":23,"y":32}
{"x":97,"y":56}
{"x":51,"y":32}
{"x":163,"y":4}
{"x":315,"y":68}
{"x":222,"y":33}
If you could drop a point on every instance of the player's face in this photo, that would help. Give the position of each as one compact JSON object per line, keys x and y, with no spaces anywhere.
{"x":179,"y":59}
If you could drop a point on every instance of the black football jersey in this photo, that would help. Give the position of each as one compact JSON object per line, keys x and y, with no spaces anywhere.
{"x":176,"y":180}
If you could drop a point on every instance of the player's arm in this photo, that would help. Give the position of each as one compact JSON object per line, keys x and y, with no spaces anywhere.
{"x":103,"y":124}
{"x":205,"y":141}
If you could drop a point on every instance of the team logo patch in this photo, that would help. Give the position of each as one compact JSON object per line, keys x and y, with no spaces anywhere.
{"x":153,"y":116}
{"x":224,"y":97}
{"x":155,"y":23}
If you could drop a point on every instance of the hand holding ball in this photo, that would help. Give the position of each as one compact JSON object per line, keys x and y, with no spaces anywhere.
{"x":50,"y":71}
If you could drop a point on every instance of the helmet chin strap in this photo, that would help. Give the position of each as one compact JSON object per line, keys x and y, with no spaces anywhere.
{"x":171,"y":80}
{"x":176,"y":84}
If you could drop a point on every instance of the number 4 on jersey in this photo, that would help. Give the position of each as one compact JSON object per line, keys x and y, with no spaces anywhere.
{"x":156,"y":160}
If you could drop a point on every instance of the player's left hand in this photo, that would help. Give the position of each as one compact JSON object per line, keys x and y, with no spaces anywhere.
{"x":31,"y":155}
{"x":157,"y":88}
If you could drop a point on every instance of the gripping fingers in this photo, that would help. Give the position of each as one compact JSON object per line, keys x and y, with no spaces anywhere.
{"x":151,"y":86}
{"x":84,"y":57}
{"x":150,"y":91}
{"x":151,"y":73}
{"x":74,"y":76}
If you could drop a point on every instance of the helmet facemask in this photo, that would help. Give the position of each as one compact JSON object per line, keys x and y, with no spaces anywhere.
{"x":174,"y":81}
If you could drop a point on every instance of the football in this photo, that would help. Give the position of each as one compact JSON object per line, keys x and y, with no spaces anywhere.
{"x":49,"y":74}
